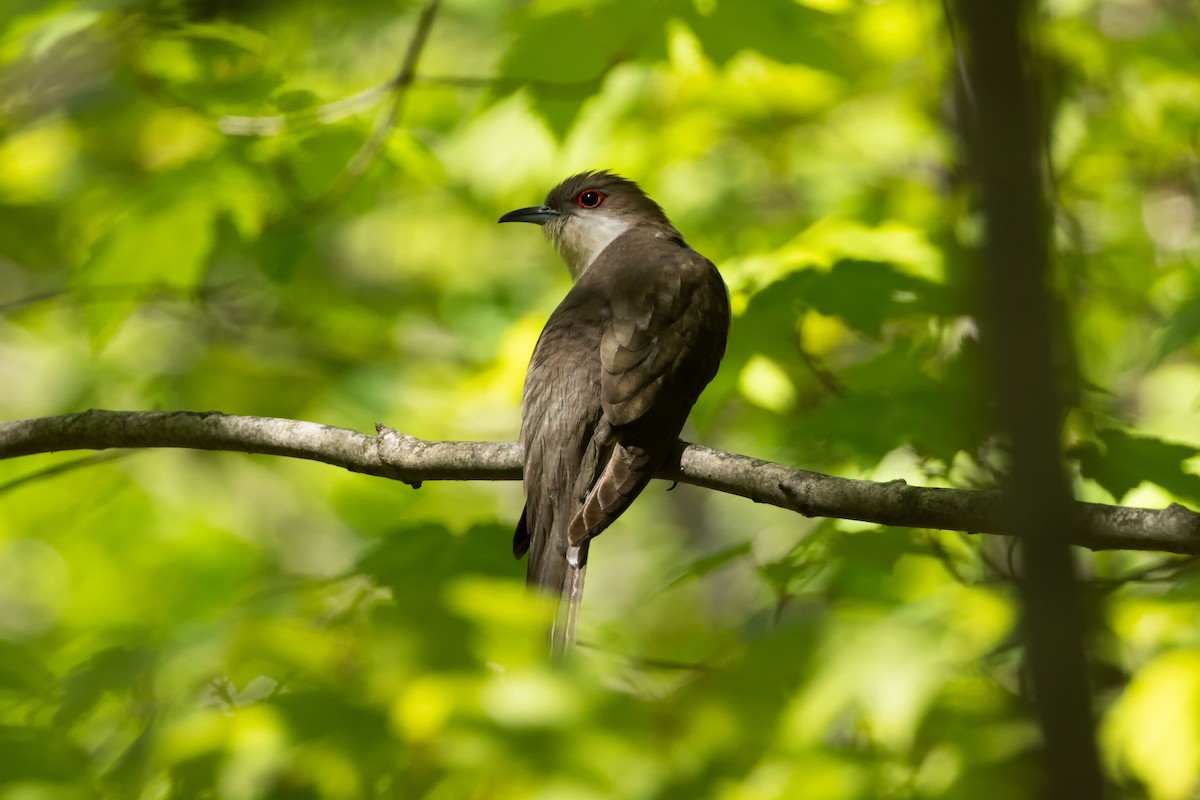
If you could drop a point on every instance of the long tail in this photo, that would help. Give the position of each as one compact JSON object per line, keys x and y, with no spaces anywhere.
{"x":566,"y":620}
{"x":558,"y":570}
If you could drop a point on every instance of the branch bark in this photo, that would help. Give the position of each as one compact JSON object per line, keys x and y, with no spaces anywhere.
{"x":398,"y":456}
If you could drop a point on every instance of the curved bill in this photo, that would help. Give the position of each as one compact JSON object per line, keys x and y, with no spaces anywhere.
{"x":537,"y":214}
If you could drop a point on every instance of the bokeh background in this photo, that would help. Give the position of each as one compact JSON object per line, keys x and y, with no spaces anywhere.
{"x":229,"y":205}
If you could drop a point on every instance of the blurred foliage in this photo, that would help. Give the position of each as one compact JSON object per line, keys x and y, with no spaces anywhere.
{"x":183,"y":225}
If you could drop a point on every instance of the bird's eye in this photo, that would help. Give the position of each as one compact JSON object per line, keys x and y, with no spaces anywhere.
{"x":589,"y":198}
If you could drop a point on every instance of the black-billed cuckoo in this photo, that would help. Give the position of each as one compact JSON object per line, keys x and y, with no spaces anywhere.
{"x":614,"y":374}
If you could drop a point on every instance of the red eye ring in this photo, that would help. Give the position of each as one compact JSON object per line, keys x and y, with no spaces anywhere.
{"x":589,"y":198}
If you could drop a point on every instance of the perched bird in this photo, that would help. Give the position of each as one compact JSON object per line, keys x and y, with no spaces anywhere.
{"x":614,"y":374}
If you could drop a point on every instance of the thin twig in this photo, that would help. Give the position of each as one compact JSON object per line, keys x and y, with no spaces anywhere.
{"x":63,"y":468}
{"x":1170,"y":567}
{"x":387,"y":118}
{"x":964,"y":77}
{"x":337,"y":110}
{"x":118,"y":292}
{"x":31,"y":299}
{"x":274,"y":124}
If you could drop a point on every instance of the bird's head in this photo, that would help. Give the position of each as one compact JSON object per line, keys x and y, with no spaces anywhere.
{"x":586,"y":212}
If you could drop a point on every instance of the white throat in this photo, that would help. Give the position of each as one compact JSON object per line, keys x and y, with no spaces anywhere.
{"x":581,"y":239}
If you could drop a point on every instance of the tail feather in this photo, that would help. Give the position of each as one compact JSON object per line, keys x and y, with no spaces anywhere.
{"x":558,"y":570}
{"x":566,"y":620}
{"x":520,"y":543}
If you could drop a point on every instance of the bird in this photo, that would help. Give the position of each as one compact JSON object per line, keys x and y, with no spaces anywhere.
{"x":613,"y":376}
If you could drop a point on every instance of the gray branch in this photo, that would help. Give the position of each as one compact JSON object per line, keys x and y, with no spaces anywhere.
{"x":395,"y":455}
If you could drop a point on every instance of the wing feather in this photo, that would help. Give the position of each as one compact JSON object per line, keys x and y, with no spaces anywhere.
{"x":660,"y":347}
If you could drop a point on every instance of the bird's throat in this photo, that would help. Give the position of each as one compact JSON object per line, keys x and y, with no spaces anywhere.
{"x":580,"y":240}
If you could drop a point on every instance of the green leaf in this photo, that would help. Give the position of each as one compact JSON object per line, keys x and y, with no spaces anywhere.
{"x":1120,"y":461}
{"x":322,"y":714}
{"x":158,"y":242}
{"x":317,"y":160}
{"x":38,"y":754}
{"x":220,"y":67}
{"x":423,"y":555}
{"x":418,"y":563}
{"x":116,"y":670}
{"x":780,"y":29}
{"x":867,"y":294}
{"x":1182,"y":330}
{"x":561,"y":56}
{"x":280,"y":251}
{"x":893,"y":400}
{"x":21,"y":671}
{"x":292,"y":101}
{"x":864,"y":562}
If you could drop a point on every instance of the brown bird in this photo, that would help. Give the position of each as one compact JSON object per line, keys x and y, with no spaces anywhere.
{"x":614,"y":374}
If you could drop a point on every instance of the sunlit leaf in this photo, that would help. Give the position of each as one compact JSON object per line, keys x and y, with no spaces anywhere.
{"x":779,"y":29}
{"x":1165,"y":754}
{"x":218,"y":66}
{"x":561,"y":56}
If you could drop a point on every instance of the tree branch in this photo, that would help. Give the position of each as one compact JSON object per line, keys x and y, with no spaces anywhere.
{"x":398,"y":456}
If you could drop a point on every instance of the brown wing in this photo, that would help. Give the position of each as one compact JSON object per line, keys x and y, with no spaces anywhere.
{"x":659,"y":349}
